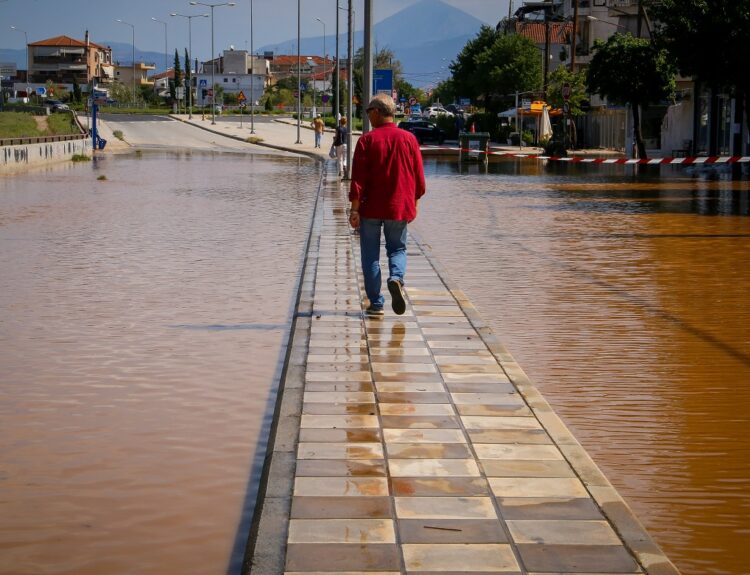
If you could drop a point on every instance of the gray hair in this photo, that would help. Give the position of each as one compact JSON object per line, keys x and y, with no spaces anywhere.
{"x":384,"y":104}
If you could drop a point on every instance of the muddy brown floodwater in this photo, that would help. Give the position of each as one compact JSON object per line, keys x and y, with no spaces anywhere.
{"x":143,"y":327}
{"x":626,"y":297}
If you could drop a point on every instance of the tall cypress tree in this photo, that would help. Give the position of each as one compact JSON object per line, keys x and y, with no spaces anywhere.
{"x":177,"y":76}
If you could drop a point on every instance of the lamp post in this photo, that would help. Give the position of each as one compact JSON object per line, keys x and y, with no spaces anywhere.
{"x":252,"y":73}
{"x":324,"y":57}
{"x":299,"y":75}
{"x":28,"y":68}
{"x":338,"y":97}
{"x":166,"y":50}
{"x":213,"y":64}
{"x":190,"y":55}
{"x":595,"y":19}
{"x":133,"y":29}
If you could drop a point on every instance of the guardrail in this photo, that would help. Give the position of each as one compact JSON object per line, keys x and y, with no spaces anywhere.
{"x":41,"y":139}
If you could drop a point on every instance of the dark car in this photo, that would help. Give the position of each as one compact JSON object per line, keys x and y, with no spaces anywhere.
{"x":455,"y":110}
{"x":424,"y":131}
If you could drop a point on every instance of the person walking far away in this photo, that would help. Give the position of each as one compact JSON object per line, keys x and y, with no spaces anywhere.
{"x":387,"y":182}
{"x":339,"y":141}
{"x":319,"y":127}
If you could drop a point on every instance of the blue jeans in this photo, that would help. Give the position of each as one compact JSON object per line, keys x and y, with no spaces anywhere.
{"x":395,"y":247}
{"x":318,"y":136}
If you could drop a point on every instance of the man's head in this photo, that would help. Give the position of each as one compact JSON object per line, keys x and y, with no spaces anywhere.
{"x":381,"y":110}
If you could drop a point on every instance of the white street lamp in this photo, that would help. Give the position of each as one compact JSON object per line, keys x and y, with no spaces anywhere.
{"x":213,"y":64}
{"x":299,"y":74}
{"x":190,"y":55}
{"x":324,"y":57}
{"x":28,"y":67}
{"x":252,"y":73}
{"x":166,"y":50}
{"x":133,"y":27}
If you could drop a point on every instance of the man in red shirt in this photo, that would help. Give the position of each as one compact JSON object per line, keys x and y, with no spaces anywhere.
{"x":387,"y":182}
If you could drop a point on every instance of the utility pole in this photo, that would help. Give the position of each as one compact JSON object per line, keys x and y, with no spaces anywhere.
{"x":547,"y":16}
{"x":350,"y":94}
{"x":574,"y":38}
{"x":367,"y":75}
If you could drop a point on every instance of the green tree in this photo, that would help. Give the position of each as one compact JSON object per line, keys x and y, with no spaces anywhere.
{"x":177,"y":76}
{"x":578,"y":95}
{"x":629,"y":70}
{"x":76,"y":91}
{"x":445,"y":92}
{"x":721,"y":28}
{"x":382,"y":58}
{"x":493,"y":65}
{"x":188,"y":75}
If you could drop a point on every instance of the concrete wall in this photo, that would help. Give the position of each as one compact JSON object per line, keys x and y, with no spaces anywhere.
{"x":15,"y":158}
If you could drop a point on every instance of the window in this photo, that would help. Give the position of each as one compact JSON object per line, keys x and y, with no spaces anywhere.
{"x":234,"y":80}
{"x":226,"y":80}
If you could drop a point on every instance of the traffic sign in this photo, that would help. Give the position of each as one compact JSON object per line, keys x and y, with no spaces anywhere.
{"x":41,"y":91}
{"x":202,"y":83}
{"x":565,"y":90}
{"x":241,"y":96}
{"x":412,"y":101}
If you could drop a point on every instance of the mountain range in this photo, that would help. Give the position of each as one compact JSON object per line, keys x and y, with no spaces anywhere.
{"x":425,"y":37}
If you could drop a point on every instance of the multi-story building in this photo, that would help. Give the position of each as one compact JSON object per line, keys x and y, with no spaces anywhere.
{"x":232,"y":73}
{"x":64,"y":61}
{"x":126,"y":71}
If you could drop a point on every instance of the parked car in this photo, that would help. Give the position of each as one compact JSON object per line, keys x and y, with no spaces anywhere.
{"x":56,"y":105}
{"x":455,"y":110}
{"x":423,"y":130}
{"x":435,"y":111}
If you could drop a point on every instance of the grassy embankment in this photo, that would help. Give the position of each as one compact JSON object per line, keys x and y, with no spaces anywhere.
{"x":23,"y":125}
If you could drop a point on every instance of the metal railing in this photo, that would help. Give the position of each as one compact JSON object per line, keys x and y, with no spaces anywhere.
{"x":41,"y":139}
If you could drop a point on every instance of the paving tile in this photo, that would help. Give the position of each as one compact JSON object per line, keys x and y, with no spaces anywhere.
{"x":339,"y":421}
{"x":317,"y":507}
{"x":512,"y":398}
{"x":433,"y":468}
{"x":522,"y":436}
{"x":537,"y":487}
{"x":428,"y":451}
{"x":503,"y":423}
{"x":525,"y":468}
{"x":340,"y":468}
{"x":474,"y":370}
{"x":360,"y":357}
{"x":402,"y":387}
{"x":413,"y":397}
{"x":340,"y":486}
{"x":379,"y":376}
{"x":519,"y":410}
{"x":472,"y":387}
{"x":340,"y":435}
{"x":482,"y":358}
{"x":404,"y":367}
{"x":339,"y":451}
{"x":562,"y":532}
{"x":444,"y":508}
{"x":450,"y":377}
{"x":467,"y":558}
{"x":340,"y":386}
{"x":342,"y":557}
{"x":423,"y":436}
{"x":338,"y":397}
{"x":333,"y":376}
{"x":416,"y":409}
{"x":334,"y":367}
{"x":341,"y":531}
{"x":457,"y":344}
{"x":577,"y":558}
{"x":451,"y":531}
{"x":339,"y":409}
{"x":509,"y":451}
{"x":419,"y":422}
{"x":580,"y":508}
{"x":439,"y":486}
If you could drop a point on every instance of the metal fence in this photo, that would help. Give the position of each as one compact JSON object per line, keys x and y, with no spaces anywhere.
{"x":603,"y":129}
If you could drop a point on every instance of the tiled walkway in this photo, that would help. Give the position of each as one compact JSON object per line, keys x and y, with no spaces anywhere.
{"x":419,"y":453}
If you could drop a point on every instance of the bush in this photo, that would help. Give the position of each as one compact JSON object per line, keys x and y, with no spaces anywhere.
{"x":448,"y":124}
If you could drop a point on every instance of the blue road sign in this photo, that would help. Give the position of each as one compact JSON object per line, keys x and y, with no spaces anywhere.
{"x":382,"y":80}
{"x":203,"y":83}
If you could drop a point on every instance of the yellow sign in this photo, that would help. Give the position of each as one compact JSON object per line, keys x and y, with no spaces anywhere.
{"x":241,"y":96}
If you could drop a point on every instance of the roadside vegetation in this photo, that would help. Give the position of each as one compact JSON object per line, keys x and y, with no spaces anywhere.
{"x":26,"y":125}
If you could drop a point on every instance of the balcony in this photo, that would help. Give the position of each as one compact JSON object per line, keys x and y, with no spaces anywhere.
{"x":620,"y":7}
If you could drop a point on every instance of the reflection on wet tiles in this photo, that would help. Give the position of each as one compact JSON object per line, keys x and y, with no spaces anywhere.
{"x":339,"y":421}
{"x":339,"y":397}
{"x":518,"y":452}
{"x":531,"y":436}
{"x":379,"y":376}
{"x":450,"y":531}
{"x":548,"y":508}
{"x":342,"y":557}
{"x":340,"y":486}
{"x":339,"y":409}
{"x":317,"y":507}
{"x":492,"y":410}
{"x":537,"y":487}
{"x":341,"y":531}
{"x":404,"y":368}
{"x":444,"y":508}
{"x":568,"y":532}
{"x":351,"y":376}
{"x":454,"y":368}
{"x":474,"y":377}
{"x":339,"y":435}
{"x":423,"y":436}
{"x":340,"y":468}
{"x":466,"y":558}
{"x":504,"y":423}
{"x":419,"y":422}
{"x":339,"y":451}
{"x":433,"y":467}
{"x":439,"y":486}
{"x":339,"y":386}
{"x":576,"y":558}
{"x":416,"y":409}
{"x":526,"y":468}
{"x":428,"y":451}
{"x":413,"y":397}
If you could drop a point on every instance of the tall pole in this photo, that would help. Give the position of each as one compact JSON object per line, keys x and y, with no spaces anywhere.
{"x":349,"y":55}
{"x":324,"y":57}
{"x":190,"y":55}
{"x":574,"y":39}
{"x":213,"y":62}
{"x":367,"y":75}
{"x":133,"y":54}
{"x":166,"y":50}
{"x":252,"y":73}
{"x":338,"y":87}
{"x":299,"y":75}
{"x":28,"y":64}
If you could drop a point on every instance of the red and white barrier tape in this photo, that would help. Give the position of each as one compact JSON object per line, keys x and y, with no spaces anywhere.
{"x":585,"y":160}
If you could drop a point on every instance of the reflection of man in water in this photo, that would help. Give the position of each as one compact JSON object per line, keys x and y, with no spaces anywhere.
{"x":387,"y":182}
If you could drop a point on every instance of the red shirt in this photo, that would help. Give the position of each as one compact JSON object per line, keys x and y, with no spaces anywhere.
{"x":387,"y":174}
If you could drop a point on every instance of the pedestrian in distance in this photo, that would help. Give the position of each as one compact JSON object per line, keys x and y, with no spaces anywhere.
{"x":319,"y":127}
{"x":339,"y":141}
{"x":387,"y":182}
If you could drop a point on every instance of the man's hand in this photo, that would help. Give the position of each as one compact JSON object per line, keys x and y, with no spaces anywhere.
{"x":354,"y":219}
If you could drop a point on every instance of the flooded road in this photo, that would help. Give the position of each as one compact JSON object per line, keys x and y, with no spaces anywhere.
{"x":625,"y":297}
{"x":143,"y":327}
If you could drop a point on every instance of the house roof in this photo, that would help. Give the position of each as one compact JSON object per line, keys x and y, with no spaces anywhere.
{"x":559,"y":32}
{"x":292,"y":60}
{"x":67,"y":41}
{"x":168,"y":74}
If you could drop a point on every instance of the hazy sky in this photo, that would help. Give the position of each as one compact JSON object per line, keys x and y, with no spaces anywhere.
{"x":274,"y":20}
